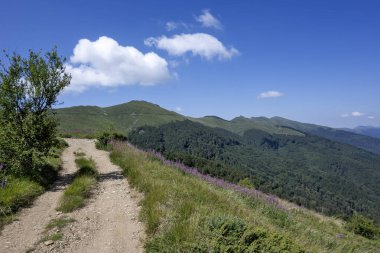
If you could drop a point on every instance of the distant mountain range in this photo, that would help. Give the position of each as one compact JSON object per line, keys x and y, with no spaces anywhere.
{"x":89,"y":120}
{"x":367,"y":130}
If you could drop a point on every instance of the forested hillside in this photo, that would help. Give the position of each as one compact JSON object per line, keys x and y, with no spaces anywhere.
{"x":367,"y":130}
{"x":92,"y":120}
{"x":327,"y":176}
{"x":278,"y":125}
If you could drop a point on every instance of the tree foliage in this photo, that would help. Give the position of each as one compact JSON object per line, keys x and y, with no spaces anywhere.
{"x":362,"y":226}
{"x":330,"y":177}
{"x":29,"y":87}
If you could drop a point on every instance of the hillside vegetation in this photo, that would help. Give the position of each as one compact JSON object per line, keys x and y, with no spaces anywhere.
{"x":367,"y":130}
{"x":332,"y":178}
{"x":185,"y":214}
{"x":278,"y":125}
{"x":88,"y":121}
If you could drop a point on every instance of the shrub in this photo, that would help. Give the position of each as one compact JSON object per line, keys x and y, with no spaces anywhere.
{"x":362,"y":226}
{"x":230,"y":234}
{"x":105,"y":138}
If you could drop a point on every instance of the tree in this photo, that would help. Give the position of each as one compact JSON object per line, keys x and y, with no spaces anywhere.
{"x":29,"y":88}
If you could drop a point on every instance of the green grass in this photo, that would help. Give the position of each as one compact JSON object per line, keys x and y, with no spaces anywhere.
{"x":21,"y":192}
{"x":54,"y":237}
{"x":184,"y":214}
{"x":79,"y":190}
{"x":88,"y":121}
{"x":59,"y":222}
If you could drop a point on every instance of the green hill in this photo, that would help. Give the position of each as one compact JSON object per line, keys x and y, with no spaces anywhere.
{"x":354,"y":139}
{"x":330,"y":177}
{"x":278,"y":125}
{"x":88,"y":120}
{"x":367,"y":130}
{"x":241,"y":124}
{"x":186,"y":214}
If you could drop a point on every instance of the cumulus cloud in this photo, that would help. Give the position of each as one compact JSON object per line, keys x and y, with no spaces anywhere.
{"x":271,"y":94}
{"x":105,"y":63}
{"x":201,"y":44}
{"x":178,"y":109}
{"x":208,"y":20}
{"x":371,"y":117}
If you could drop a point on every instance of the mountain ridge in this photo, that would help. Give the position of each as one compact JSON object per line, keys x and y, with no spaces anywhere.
{"x":90,"y":120}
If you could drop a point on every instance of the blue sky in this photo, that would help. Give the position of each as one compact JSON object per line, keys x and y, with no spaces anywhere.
{"x":311,"y":61}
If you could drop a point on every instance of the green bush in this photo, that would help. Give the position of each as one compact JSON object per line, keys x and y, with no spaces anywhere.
{"x":230,"y":234}
{"x":362,"y":226}
{"x":104,"y":139}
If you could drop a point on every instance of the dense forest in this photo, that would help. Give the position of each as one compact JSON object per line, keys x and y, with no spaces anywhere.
{"x":330,"y":177}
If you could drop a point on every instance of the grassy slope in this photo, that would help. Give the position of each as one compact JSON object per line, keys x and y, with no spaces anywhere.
{"x":278,"y":125}
{"x":89,"y":120}
{"x":320,"y":174}
{"x":82,"y":120}
{"x":241,"y":124}
{"x":179,"y":208}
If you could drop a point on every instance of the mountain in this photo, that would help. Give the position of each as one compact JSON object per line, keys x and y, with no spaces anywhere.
{"x":89,"y":120}
{"x":241,"y":124}
{"x":192,"y":213}
{"x":323,"y":168}
{"x":355,"y":139}
{"x":327,"y":176}
{"x":367,"y":130}
{"x":278,"y":125}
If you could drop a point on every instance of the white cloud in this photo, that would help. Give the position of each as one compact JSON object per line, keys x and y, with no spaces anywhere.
{"x":271,"y":94}
{"x":171,"y":25}
{"x":371,"y":117}
{"x":208,"y":20}
{"x":353,"y":114}
{"x":357,"y":114}
{"x":178,"y":109}
{"x":202,"y":44}
{"x":105,"y":63}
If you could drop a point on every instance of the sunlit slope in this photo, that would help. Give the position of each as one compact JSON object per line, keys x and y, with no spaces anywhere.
{"x":84,"y":120}
{"x":354,"y":139}
{"x":121,"y":118}
{"x":241,"y":124}
{"x":185,"y":214}
{"x":324,"y":175}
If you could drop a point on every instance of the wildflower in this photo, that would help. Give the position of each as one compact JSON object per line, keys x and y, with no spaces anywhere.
{"x":340,"y":236}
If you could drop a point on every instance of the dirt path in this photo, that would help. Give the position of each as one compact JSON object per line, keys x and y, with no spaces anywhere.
{"x":108,"y":223}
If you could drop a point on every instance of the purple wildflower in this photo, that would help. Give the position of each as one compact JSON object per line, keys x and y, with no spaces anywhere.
{"x":271,"y":199}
